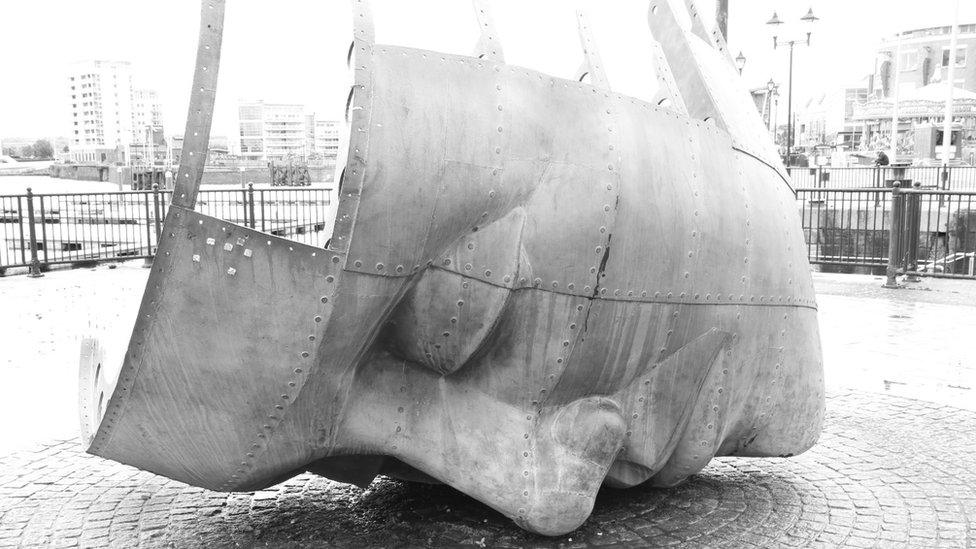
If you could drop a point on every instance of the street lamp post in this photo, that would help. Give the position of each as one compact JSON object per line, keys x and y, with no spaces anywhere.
{"x":774,"y":22}
{"x":740,"y":62}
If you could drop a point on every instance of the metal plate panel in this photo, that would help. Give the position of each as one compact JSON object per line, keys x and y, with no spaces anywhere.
{"x":221,"y":345}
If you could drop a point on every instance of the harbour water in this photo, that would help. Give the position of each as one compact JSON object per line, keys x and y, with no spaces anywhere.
{"x":18,"y":184}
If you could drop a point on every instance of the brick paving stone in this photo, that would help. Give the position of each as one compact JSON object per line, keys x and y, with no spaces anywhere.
{"x":887,"y":472}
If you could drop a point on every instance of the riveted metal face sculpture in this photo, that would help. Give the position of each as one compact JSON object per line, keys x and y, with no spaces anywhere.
{"x":535,"y":287}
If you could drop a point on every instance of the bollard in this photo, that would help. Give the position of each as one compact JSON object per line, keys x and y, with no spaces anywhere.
{"x":35,"y":265}
{"x":896,"y":222}
{"x":250,"y":203}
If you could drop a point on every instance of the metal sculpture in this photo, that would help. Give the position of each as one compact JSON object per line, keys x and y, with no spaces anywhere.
{"x":535,"y":287}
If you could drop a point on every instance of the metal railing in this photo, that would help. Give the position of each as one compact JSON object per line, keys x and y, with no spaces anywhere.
{"x":913,"y":231}
{"x":947,"y":178}
{"x":40,"y":230}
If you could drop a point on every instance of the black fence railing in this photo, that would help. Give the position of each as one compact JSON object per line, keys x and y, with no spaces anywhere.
{"x":915,"y":231}
{"x":39,"y":230}
{"x":946,"y":178}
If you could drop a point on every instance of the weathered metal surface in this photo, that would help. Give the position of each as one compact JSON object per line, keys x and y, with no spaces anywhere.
{"x":535,"y":287}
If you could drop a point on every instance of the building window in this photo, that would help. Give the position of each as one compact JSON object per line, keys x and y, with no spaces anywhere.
{"x":960,"y":56}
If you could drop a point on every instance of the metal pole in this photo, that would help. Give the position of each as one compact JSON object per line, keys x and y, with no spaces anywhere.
{"x":789,"y":115}
{"x":35,"y":265}
{"x":947,"y":124}
{"x":894,"y":108}
{"x":894,"y":239}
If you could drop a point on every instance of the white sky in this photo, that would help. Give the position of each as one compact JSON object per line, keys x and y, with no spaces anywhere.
{"x":294,"y":50}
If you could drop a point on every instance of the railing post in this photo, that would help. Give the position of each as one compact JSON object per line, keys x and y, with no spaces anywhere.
{"x":264,"y":215}
{"x":147,"y":262}
{"x":250,"y":204}
{"x":35,"y":265}
{"x":913,"y":228}
{"x":158,"y":214}
{"x":895,"y":225}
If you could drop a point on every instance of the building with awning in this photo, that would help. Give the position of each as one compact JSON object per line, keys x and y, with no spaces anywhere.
{"x":921,"y":115}
{"x":914,"y":67}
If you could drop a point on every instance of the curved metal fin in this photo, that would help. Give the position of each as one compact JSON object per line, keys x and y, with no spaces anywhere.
{"x":593,"y":64}
{"x":362,"y":22}
{"x":719,"y":42}
{"x":668,"y":95}
{"x":699,"y":29}
{"x":697,"y":25}
{"x":489,"y":46}
{"x":709,"y":85}
{"x":202,"y":97}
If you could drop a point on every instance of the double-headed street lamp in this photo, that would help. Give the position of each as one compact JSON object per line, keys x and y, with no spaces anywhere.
{"x":775,"y":23}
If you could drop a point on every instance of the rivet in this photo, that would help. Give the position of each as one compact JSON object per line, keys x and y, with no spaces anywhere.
{"x":318,"y":319}
{"x":304,"y":354}
{"x":379,"y":267}
{"x":211,"y":241}
{"x":231,"y":271}
{"x":358,"y":263}
{"x":228,"y":247}
{"x":196,"y":258}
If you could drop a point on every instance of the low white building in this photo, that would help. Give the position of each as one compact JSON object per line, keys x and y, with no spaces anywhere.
{"x":272,"y":131}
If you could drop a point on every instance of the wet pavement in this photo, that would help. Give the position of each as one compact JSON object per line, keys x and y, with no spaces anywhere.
{"x":894,"y":467}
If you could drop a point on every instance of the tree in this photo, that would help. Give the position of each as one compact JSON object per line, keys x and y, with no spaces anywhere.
{"x":43,"y":149}
{"x":27,"y":151}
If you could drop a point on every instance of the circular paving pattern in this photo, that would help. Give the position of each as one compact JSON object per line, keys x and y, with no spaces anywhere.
{"x":887,"y":472}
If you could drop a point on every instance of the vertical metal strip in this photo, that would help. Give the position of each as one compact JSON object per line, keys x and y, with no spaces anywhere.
{"x":489,"y":46}
{"x":200,"y":116}
{"x":668,"y":94}
{"x":593,"y":65}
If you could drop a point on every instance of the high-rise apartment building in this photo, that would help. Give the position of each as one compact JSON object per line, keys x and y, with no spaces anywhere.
{"x":109,"y":116}
{"x":326,"y":140}
{"x":272,"y":131}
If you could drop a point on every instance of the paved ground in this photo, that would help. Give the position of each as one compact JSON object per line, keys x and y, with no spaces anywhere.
{"x":895,"y":466}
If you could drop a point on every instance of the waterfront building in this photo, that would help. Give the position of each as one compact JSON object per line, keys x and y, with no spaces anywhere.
{"x":828,"y":119}
{"x":326,"y":140}
{"x":108,"y":115}
{"x":148,"y":142}
{"x":272,"y":131}
{"x":920,"y":74}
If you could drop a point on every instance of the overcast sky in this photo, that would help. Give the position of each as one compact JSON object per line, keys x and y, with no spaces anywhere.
{"x":294,"y":50}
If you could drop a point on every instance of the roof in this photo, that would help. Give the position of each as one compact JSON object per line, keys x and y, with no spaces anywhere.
{"x":937,"y":92}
